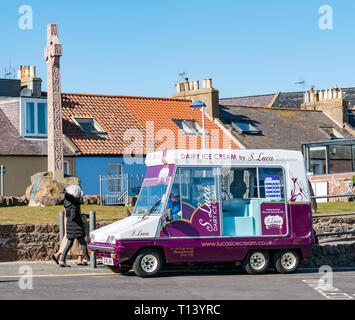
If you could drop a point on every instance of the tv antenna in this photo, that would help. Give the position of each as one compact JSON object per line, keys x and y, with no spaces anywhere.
{"x":182,"y":76}
{"x":10,"y":72}
{"x":301,"y":83}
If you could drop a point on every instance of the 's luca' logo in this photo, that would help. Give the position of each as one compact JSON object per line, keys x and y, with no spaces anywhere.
{"x":273,"y":222}
{"x":139,"y":233}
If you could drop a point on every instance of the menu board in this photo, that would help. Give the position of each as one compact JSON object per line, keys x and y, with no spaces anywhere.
{"x":273,"y":188}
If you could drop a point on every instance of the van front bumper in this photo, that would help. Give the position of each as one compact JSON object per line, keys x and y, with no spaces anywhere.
{"x":106,"y":252}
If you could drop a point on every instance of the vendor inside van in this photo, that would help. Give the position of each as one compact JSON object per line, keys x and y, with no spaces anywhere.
{"x":174,"y":203}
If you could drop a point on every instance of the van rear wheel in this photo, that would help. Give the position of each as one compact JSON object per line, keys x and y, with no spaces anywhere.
{"x":286,"y":261}
{"x":256,"y":262}
{"x":148,"y":263}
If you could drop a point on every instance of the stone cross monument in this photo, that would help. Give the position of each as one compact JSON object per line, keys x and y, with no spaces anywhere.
{"x":52,"y":55}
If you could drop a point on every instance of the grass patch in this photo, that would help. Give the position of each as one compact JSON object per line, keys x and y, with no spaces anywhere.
{"x":335,"y":207}
{"x":50,"y":214}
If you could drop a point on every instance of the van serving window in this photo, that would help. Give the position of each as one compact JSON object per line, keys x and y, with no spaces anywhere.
{"x":251,"y":199}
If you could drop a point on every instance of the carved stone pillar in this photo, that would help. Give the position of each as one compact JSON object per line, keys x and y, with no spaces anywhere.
{"x":52,"y":55}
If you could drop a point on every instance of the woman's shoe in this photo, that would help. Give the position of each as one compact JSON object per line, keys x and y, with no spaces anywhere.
{"x":62,"y":265}
{"x":54,"y":258}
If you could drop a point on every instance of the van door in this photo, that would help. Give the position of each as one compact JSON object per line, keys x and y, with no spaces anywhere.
{"x":194,"y":204}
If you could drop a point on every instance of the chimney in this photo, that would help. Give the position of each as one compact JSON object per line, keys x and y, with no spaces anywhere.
{"x":329,"y":101}
{"x":29,"y":81}
{"x":191,"y":90}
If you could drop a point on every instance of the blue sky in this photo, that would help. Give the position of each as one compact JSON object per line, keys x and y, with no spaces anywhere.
{"x":139,"y":47}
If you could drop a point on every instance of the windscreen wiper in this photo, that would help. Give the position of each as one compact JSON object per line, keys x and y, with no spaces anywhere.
{"x":152,"y":209}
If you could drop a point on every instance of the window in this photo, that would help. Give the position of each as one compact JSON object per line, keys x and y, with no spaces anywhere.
{"x":330,"y":132}
{"x":114,"y":169}
{"x":115,"y":179}
{"x":30,"y":117}
{"x":34,"y":119}
{"x":253,"y":202}
{"x":88,"y":125}
{"x":239,"y":183}
{"x":190,"y":127}
{"x":318,"y":160}
{"x":271,"y":184}
{"x":192,"y":188}
{"x":244,"y":127}
{"x":340,"y":159}
{"x":66,"y":168}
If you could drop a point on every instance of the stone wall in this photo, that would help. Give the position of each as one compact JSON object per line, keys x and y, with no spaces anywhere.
{"x":336,"y":256}
{"x":335,"y":224}
{"x":37,"y":242}
{"x":22,"y":201}
{"x":29,"y":242}
{"x":13,"y":201}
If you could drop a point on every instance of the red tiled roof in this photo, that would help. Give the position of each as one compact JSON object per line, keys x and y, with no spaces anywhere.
{"x":117,"y":114}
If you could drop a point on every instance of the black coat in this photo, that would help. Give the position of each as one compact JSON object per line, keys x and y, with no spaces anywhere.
{"x":75,"y":225}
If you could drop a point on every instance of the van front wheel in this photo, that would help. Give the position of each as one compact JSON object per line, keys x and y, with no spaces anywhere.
{"x":256,"y":262}
{"x":148,"y":263}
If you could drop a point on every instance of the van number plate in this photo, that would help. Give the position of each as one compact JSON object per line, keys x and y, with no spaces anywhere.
{"x":107,"y":261}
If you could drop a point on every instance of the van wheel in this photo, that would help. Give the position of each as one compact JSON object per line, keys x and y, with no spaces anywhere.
{"x":148,"y":263}
{"x":120,"y":269}
{"x":256,"y":262}
{"x":286,"y":261}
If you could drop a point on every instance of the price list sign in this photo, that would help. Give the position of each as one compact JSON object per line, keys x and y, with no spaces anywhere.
{"x":273,"y":188}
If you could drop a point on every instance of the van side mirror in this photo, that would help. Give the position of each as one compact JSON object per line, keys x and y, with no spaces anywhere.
{"x":128,"y":212}
{"x":168,"y":215}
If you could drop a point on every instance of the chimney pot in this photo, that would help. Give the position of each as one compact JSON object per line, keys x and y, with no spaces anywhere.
{"x":191,"y":85}
{"x":321,"y":95}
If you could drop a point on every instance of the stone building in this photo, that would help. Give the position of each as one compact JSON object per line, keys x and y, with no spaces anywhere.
{"x":292,"y":121}
{"x":23,"y":132}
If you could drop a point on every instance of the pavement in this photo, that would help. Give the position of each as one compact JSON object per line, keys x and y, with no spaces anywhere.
{"x":48,"y":269}
{"x":46,"y":281}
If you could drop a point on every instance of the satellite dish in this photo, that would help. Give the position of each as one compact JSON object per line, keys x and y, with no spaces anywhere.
{"x":26,"y":92}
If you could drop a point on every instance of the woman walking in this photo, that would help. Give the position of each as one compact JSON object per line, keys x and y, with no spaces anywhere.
{"x":75,"y":225}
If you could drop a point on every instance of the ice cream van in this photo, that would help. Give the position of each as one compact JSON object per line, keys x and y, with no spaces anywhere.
{"x":251,"y":208}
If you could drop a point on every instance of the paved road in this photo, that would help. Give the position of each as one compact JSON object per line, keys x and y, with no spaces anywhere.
{"x":51,"y":282}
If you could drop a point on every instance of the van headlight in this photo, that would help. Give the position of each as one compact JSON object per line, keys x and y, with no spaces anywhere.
{"x":113,"y":240}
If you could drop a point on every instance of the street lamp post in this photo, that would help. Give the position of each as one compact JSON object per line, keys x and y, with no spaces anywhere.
{"x":197,"y":105}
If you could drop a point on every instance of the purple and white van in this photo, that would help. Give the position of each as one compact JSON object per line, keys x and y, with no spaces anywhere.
{"x":247,"y":207}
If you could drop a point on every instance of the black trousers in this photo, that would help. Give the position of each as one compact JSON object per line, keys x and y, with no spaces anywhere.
{"x":69,"y":245}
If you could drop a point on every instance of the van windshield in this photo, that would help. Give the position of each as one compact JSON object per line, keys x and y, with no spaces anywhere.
{"x":151,"y":197}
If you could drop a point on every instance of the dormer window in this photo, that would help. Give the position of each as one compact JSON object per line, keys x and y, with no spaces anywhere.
{"x":331,"y":132}
{"x":190,"y":127}
{"x":244,"y":127}
{"x":89,"y":125}
{"x":34,"y":118}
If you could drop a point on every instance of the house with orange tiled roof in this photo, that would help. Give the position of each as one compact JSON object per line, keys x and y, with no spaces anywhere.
{"x":105,"y":135}
{"x":113,"y":134}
